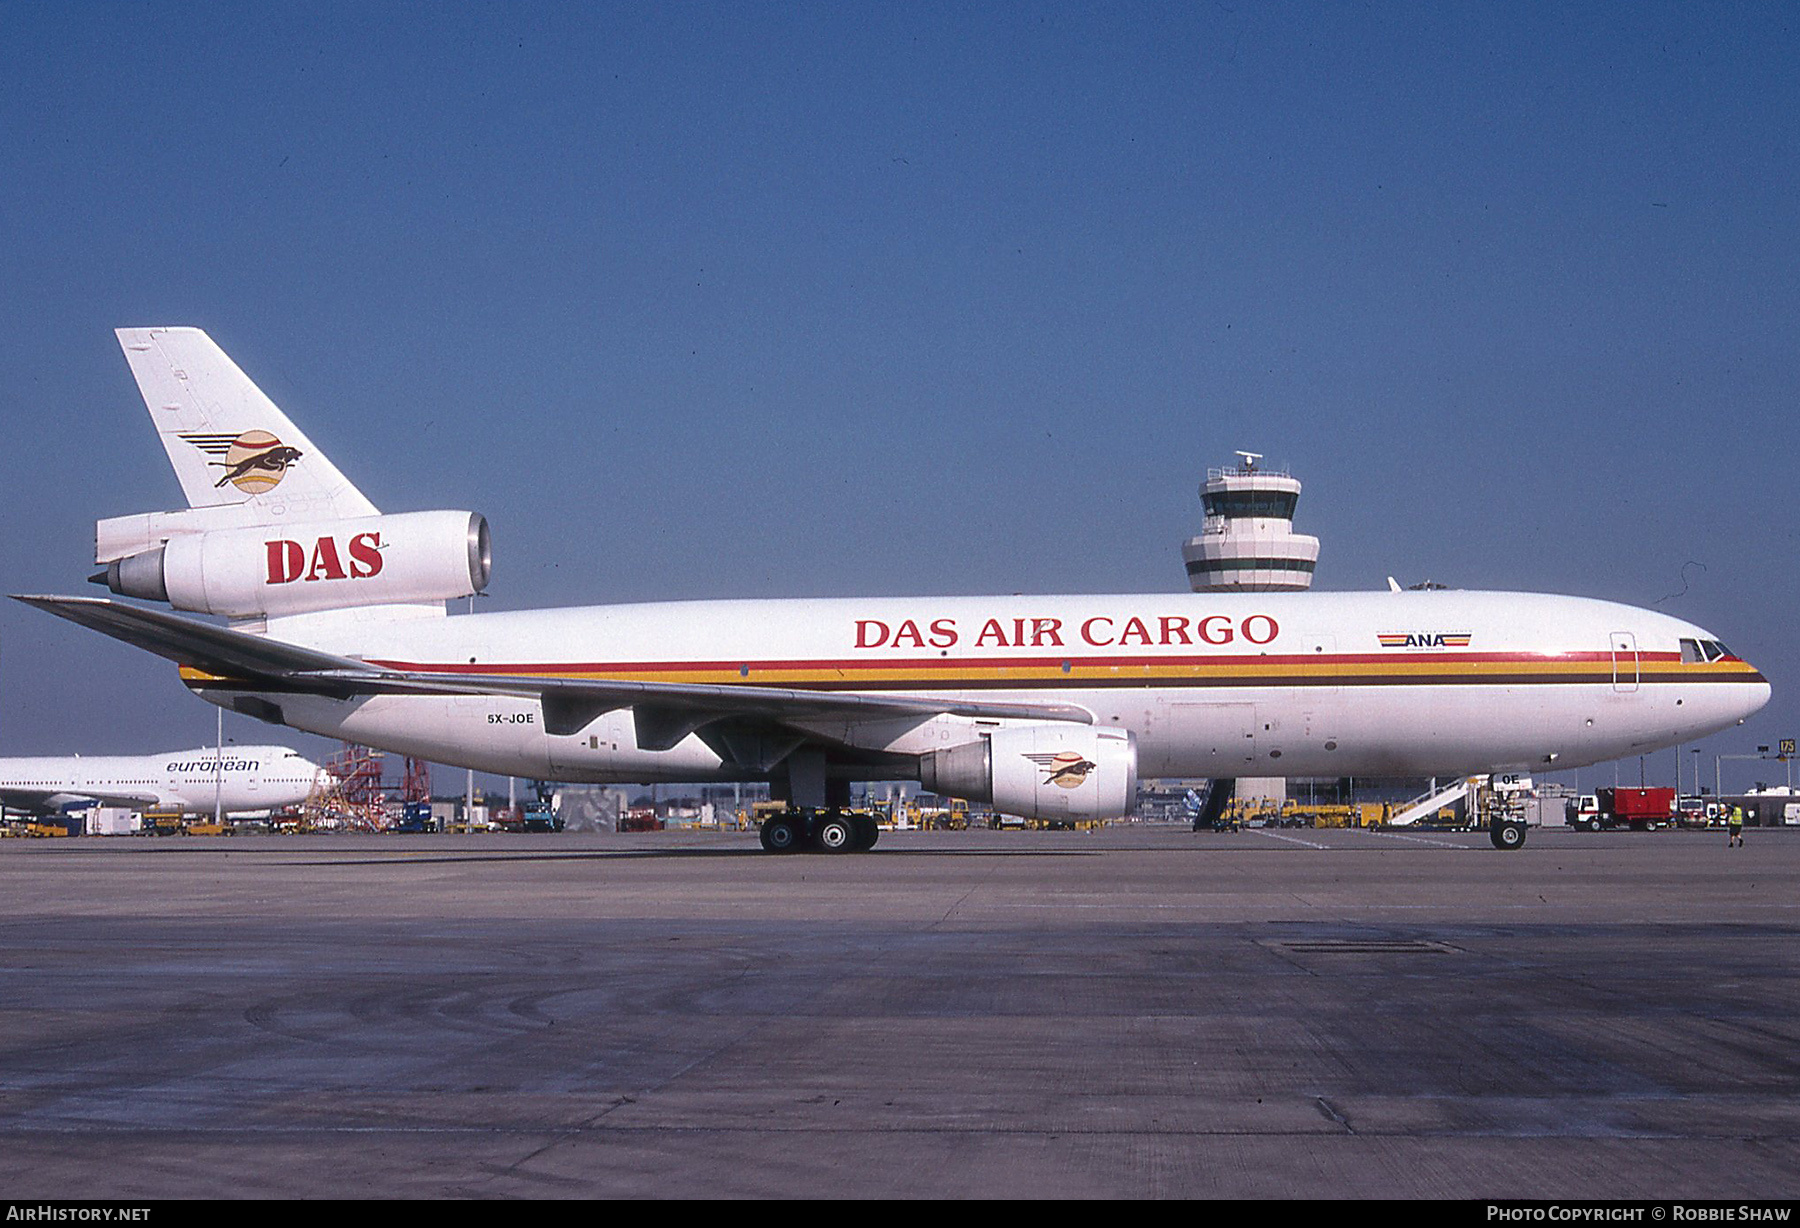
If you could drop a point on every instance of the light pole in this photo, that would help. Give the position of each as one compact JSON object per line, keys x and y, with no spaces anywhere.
{"x":1762,"y":753}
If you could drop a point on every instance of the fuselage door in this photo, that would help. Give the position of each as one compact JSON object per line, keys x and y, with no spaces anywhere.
{"x":1216,"y":739}
{"x":1624,"y":661}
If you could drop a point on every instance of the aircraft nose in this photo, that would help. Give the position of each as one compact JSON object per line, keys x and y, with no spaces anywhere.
{"x":1749,"y":692}
{"x":1756,"y":694}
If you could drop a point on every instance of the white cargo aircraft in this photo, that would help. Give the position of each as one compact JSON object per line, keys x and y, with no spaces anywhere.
{"x":1042,"y":706}
{"x":243,"y":779}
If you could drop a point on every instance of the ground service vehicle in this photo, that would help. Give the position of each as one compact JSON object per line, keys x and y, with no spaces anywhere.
{"x":415,"y":818}
{"x":1638,"y":809}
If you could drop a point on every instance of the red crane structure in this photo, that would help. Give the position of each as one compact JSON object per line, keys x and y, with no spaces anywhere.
{"x":356,"y":795}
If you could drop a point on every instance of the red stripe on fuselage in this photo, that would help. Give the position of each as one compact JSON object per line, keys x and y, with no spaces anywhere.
{"x":1055,"y":661}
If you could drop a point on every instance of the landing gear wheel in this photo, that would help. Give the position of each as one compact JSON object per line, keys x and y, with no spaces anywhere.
{"x":836,"y":833}
{"x":780,"y":835}
{"x":867,"y":833}
{"x":1507,"y":835}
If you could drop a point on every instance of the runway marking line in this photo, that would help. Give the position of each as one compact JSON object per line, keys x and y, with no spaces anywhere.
{"x":1290,"y":839}
{"x":1436,"y":844}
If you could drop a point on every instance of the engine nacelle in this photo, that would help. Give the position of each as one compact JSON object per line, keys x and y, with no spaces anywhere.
{"x":1068,"y":773}
{"x":323,"y":565}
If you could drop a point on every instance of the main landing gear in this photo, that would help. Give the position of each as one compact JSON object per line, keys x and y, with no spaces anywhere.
{"x":826,"y":831}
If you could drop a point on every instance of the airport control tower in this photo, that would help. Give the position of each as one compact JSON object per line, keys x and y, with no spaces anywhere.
{"x":1248,"y":543}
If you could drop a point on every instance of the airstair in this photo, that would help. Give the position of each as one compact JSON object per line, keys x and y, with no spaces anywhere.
{"x":1430,"y":802}
{"x":1209,"y":813}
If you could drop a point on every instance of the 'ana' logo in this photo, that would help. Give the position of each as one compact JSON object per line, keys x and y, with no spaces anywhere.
{"x":255,"y":461}
{"x":1424,"y":639}
{"x":1066,"y":770}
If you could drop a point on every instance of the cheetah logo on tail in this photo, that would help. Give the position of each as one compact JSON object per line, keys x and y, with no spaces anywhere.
{"x":255,"y":461}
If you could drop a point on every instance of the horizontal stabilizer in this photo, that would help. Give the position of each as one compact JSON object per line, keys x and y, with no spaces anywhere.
{"x":217,"y":650}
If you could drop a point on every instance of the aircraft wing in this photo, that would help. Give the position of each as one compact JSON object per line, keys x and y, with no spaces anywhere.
{"x":35,"y":801}
{"x":49,"y":801}
{"x":668,"y":711}
{"x":665,"y":712}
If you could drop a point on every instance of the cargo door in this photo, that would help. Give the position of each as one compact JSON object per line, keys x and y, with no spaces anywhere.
{"x":1202,"y":739}
{"x":1624,"y":661}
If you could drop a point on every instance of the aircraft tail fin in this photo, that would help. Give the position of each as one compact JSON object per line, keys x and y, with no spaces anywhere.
{"x":231,"y":446}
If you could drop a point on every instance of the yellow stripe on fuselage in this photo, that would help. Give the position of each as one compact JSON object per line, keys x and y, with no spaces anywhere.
{"x":1253,"y":671}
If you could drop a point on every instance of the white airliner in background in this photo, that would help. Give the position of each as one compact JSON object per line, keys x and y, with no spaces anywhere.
{"x":1044,"y":706}
{"x":243,"y":779}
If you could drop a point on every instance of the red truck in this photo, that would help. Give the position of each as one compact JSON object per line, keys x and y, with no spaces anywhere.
{"x":640,"y":818}
{"x":1638,"y":809}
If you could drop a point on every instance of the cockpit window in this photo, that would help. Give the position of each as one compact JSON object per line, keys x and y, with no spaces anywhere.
{"x":1719,"y":650}
{"x":1695,"y":651}
{"x":1690,"y":652}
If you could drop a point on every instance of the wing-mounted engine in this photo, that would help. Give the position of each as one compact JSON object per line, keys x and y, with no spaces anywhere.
{"x":1051,"y":771}
{"x":279,"y":569}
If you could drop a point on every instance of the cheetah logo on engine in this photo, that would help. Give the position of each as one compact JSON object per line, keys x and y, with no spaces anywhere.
{"x":1066,"y":770}
{"x":254,"y":461}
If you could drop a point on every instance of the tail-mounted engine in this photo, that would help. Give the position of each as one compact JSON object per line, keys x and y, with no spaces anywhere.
{"x":1060,"y":772}
{"x":282,"y":569}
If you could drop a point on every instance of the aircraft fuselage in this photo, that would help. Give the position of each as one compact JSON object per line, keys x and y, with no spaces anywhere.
{"x":243,"y":779}
{"x":1222,"y":685}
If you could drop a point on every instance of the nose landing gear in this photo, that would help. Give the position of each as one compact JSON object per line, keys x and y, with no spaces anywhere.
{"x":1506,"y":833}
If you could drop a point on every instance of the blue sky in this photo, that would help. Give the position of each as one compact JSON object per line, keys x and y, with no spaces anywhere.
{"x":705,"y":300}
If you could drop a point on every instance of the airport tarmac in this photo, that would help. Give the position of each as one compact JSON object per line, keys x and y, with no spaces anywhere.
{"x":1136,"y":1012}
